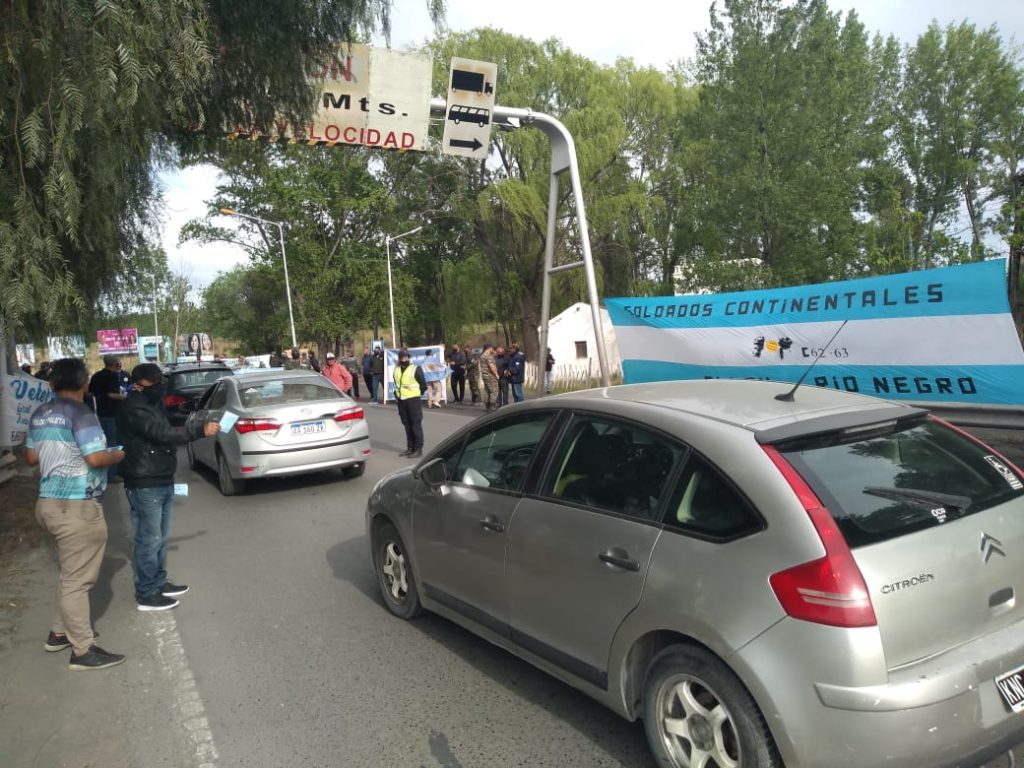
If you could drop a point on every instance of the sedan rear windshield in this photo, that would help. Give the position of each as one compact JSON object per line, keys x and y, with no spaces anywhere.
{"x":204,"y":378}
{"x":278,"y":391}
{"x":904,"y":478}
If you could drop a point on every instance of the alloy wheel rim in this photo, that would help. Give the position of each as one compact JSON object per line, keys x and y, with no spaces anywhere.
{"x":394,"y":572}
{"x":695,"y":726}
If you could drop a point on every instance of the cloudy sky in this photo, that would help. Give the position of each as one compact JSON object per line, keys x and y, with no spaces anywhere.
{"x":652,"y":32}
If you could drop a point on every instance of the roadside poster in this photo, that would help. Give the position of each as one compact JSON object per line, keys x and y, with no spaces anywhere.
{"x":58,"y":347}
{"x":25,"y":353}
{"x":192,"y":346}
{"x":21,"y":395}
{"x":150,"y":348}
{"x":430,"y":359}
{"x":117,"y":341}
{"x":938,"y":335}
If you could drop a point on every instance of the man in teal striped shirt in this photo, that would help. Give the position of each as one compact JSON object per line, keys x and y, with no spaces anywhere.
{"x":67,"y":442}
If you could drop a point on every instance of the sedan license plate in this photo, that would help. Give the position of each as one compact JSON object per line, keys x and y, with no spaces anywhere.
{"x":1011,"y":689}
{"x":308,"y":427}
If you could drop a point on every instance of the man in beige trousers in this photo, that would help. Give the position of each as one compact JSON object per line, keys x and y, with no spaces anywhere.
{"x":67,"y":442}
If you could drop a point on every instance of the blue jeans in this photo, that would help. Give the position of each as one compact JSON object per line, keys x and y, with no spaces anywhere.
{"x":517,"y":391}
{"x":151,"y":520}
{"x":109,"y":426}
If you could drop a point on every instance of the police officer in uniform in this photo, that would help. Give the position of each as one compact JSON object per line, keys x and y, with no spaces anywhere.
{"x":409,"y":388}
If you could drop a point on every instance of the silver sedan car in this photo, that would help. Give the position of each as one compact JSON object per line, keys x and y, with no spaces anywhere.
{"x":288,"y":423}
{"x":828,"y":581}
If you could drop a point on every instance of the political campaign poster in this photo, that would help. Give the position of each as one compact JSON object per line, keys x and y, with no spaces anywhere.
{"x":117,"y":341}
{"x":21,"y":395}
{"x":942,"y":335}
{"x":58,"y":347}
{"x":430,"y":359}
{"x":195,"y":346}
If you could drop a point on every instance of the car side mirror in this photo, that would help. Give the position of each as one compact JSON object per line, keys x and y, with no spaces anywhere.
{"x":434,"y":473}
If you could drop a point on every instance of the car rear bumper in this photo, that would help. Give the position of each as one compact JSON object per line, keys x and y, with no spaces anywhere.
{"x":942,"y":712}
{"x":267,"y":463}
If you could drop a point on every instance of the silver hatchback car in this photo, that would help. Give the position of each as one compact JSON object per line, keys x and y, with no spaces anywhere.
{"x":289,"y":423}
{"x":830,"y":581}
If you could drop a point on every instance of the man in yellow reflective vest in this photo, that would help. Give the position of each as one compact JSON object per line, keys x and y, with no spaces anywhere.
{"x":409,"y":388}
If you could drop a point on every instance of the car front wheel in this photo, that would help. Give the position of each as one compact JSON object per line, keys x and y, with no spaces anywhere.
{"x":394,"y":573}
{"x":697,"y":714}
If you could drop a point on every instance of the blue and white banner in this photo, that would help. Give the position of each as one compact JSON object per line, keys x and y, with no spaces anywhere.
{"x":936,"y":335}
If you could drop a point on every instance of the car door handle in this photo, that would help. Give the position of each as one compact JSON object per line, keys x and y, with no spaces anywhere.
{"x":490,"y":524}
{"x":619,"y":561}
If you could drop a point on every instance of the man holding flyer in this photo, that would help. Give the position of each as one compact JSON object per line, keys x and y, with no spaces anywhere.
{"x":151,"y":445}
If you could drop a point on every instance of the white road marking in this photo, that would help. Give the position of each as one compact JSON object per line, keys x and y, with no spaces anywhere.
{"x":187,"y":699}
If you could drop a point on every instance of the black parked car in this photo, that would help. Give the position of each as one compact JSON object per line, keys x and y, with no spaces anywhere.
{"x":185,"y":383}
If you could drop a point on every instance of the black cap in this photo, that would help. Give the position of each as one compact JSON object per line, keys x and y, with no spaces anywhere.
{"x":403,"y":352}
{"x":148,"y":371}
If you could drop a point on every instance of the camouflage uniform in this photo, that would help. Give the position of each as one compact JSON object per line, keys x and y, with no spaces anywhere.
{"x":473,"y":375}
{"x":490,"y":379}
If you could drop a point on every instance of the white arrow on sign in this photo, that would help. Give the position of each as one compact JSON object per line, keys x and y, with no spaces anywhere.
{"x":469,"y":109}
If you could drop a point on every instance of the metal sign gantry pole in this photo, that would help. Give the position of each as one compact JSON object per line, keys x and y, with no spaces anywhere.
{"x":563,"y":158}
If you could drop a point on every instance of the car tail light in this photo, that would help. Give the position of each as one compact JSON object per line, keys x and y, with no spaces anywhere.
{"x":349,"y":414}
{"x":830,"y":590}
{"x":174,"y":401}
{"x":982,"y":443}
{"x":244,"y":426}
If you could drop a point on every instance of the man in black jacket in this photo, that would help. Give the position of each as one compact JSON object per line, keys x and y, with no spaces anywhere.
{"x":151,"y":458}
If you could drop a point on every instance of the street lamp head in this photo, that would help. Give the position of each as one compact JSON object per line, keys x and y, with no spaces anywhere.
{"x":228,"y":211}
{"x":174,"y":307}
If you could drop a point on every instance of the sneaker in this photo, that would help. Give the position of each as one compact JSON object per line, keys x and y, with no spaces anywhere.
{"x":173,"y":590}
{"x":415,"y":454}
{"x":156,"y":602}
{"x":94,"y":658}
{"x":55,"y":642}
{"x":405,"y":453}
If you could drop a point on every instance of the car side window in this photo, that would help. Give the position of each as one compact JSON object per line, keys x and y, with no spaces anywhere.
{"x":498,"y":455}
{"x":202,"y":405}
{"x":218,"y":398}
{"x":613,"y":466}
{"x":709,"y":505}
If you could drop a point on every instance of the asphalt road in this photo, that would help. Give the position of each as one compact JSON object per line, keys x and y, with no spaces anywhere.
{"x":283,"y":654}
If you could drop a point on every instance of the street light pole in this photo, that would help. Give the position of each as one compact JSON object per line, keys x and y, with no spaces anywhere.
{"x":391,"y":291}
{"x":284,"y":259}
{"x":174,"y":341}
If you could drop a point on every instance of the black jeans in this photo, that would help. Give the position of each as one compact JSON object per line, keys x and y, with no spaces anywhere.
{"x":458,"y":384}
{"x":503,"y":385}
{"x":411,"y":414}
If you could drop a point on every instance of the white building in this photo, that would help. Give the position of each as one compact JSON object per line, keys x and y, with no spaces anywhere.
{"x":573,"y":342}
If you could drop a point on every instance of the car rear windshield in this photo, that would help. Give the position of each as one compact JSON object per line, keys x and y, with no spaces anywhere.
{"x":279,"y":391}
{"x":203,"y":378}
{"x":896,"y":480}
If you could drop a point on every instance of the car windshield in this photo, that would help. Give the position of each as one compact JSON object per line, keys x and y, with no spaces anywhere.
{"x":901,"y":479}
{"x":201,"y":378}
{"x":277,"y":391}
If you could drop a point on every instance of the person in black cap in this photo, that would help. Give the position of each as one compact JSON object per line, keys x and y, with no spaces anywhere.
{"x":151,"y":448}
{"x":409,"y":388}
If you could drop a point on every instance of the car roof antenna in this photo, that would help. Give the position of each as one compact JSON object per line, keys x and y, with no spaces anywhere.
{"x":787,"y":397}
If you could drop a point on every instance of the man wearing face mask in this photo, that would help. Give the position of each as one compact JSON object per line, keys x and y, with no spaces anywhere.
{"x":151,"y":448}
{"x":410,"y":385}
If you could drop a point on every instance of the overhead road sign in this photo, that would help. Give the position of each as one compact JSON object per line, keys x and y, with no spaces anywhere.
{"x":371,"y":97}
{"x":469,"y":110}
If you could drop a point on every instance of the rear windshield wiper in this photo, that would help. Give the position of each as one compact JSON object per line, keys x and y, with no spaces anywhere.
{"x":922,"y":497}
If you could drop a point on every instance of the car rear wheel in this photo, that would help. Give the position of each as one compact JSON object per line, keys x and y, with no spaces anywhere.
{"x":352,"y":471}
{"x":697,"y":714}
{"x":394,"y":573}
{"x":228,"y":485}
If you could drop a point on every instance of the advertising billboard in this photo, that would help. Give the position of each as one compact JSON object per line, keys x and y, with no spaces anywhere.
{"x":118,"y":341}
{"x":65,"y":346}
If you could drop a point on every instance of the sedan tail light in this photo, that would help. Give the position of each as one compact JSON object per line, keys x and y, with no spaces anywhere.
{"x":349,"y":414}
{"x":830,"y":590}
{"x":174,"y":401}
{"x":244,"y":426}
